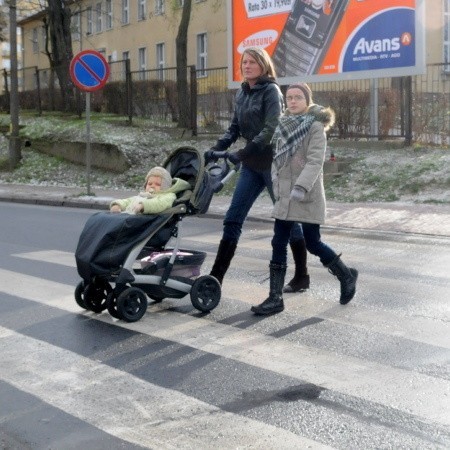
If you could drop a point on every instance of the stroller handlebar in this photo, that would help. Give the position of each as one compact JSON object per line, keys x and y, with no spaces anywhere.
{"x":223,"y":154}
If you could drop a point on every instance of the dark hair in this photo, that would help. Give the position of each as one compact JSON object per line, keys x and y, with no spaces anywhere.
{"x":305,"y":89}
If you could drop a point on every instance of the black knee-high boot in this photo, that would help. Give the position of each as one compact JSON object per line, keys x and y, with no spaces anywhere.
{"x":274,"y":303}
{"x":224,"y":256}
{"x":347,"y":276}
{"x":300,"y":282}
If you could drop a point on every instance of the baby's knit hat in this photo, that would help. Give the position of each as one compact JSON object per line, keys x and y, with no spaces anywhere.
{"x":166,"y":179}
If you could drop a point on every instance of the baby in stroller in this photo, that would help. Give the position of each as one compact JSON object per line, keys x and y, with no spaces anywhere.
{"x":112,"y":247}
{"x":159,"y":194}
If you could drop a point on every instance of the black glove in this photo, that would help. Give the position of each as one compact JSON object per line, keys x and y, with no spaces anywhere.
{"x":208,"y":155}
{"x":234,"y":158}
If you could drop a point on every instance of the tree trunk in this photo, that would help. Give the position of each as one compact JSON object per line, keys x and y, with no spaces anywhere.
{"x":15,"y":154}
{"x":182,"y":77}
{"x":60,"y":53}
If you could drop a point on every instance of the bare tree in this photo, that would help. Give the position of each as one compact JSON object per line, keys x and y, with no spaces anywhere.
{"x":182,"y":78}
{"x":58,"y":46}
{"x":15,"y":154}
{"x":3,"y":24}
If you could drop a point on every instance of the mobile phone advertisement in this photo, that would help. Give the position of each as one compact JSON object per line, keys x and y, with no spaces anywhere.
{"x":325,"y":40}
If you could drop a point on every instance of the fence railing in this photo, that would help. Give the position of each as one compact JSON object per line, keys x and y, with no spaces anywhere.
{"x":414,"y":108}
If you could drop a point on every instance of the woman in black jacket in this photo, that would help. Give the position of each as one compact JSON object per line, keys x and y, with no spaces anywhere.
{"x":258,"y":107}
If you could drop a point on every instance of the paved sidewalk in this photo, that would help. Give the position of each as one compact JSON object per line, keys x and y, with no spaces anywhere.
{"x":387,"y":217}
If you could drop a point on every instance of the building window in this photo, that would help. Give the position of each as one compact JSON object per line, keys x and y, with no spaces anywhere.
{"x":109,"y":14}
{"x":89,"y":24}
{"x":125,"y":58}
{"x":142,"y":9}
{"x":98,"y":18}
{"x":42,"y":37}
{"x":160,"y":59}
{"x":142,"y":62}
{"x":35,"y":41}
{"x":159,"y":7}
{"x":447,"y":35}
{"x":201,"y":55}
{"x":76,"y":25}
{"x":125,"y":11}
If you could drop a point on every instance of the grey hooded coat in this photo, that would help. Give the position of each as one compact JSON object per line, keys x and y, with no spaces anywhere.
{"x":305,"y":169}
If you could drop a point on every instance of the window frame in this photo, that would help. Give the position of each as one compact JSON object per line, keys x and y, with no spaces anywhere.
{"x":141,"y":9}
{"x":161,"y":59}
{"x":98,"y":17}
{"x":160,"y":7}
{"x":75,"y":26}
{"x":109,"y":14}
{"x":202,"y":55}
{"x":89,"y":21}
{"x":142,"y":63}
{"x":125,"y":19}
{"x":35,"y":40}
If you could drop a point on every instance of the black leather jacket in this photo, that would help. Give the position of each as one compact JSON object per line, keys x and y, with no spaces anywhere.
{"x":257,"y":111}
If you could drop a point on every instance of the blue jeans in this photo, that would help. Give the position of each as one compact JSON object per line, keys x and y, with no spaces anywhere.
{"x":311,"y":231}
{"x":249,"y":185}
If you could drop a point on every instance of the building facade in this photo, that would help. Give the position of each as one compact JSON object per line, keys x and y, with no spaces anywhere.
{"x":142,"y":31}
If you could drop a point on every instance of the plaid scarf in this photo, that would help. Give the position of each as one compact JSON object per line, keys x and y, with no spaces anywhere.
{"x":291,"y":130}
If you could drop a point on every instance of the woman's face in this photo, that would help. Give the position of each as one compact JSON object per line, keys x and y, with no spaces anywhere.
{"x":251,"y":70}
{"x":296,"y":101}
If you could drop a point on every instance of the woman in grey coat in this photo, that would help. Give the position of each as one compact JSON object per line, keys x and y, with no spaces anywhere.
{"x":297,"y":177}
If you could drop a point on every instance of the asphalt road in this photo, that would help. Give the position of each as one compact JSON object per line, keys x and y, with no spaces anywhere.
{"x":374,"y":374}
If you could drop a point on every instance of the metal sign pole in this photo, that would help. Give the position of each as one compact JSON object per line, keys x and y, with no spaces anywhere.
{"x":89,"y":71}
{"x":88,"y":142}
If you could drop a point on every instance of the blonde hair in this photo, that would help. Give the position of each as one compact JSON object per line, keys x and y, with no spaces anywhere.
{"x":262,"y":58}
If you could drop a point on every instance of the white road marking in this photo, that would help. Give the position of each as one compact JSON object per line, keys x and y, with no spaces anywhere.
{"x":128,"y":407}
{"x":352,"y":376}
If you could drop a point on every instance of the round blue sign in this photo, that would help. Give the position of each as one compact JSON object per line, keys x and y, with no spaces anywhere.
{"x":89,"y":70}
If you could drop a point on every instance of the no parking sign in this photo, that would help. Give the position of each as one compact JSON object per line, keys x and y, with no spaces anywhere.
{"x":89,"y":72}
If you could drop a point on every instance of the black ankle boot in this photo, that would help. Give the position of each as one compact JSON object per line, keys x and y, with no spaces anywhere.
{"x":347,"y":276}
{"x":224,"y":256}
{"x":274,"y":303}
{"x":300,"y":282}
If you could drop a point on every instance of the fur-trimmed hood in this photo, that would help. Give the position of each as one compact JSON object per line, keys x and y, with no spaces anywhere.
{"x":323,"y":114}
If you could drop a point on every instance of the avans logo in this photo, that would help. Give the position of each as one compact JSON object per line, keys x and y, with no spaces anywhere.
{"x":365,"y":47}
{"x":262,"y":39}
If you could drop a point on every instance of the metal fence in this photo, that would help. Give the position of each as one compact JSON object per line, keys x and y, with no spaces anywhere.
{"x":414,"y":108}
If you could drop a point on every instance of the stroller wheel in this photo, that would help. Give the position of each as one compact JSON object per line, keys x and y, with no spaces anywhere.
{"x":205,"y":293}
{"x":79,"y":295}
{"x":111,"y":304}
{"x":131,"y":304}
{"x":95,"y":295}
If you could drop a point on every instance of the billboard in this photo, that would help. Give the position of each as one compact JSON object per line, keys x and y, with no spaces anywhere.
{"x":323,"y":40}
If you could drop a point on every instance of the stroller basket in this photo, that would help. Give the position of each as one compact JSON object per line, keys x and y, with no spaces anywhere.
{"x":187,"y":263}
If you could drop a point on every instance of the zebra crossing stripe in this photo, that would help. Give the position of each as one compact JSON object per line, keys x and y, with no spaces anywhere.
{"x":128,"y":407}
{"x":352,"y":376}
{"x":416,"y":328}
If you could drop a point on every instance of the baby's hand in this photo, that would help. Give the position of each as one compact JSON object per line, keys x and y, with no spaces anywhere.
{"x":139,"y":208}
{"x":115,"y":209}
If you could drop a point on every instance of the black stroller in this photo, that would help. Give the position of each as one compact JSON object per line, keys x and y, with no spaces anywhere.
{"x":122,"y":258}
